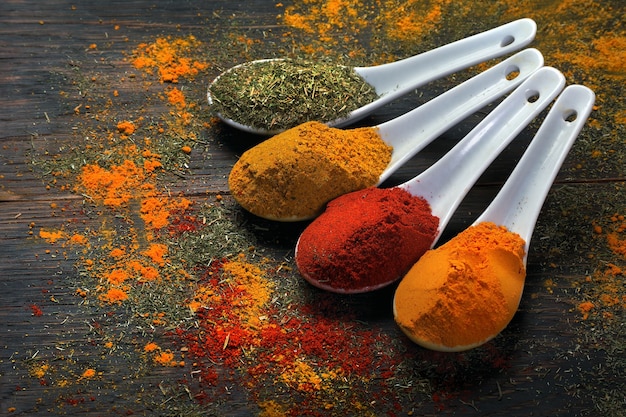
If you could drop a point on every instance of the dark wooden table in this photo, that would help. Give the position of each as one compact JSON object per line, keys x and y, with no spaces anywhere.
{"x":66,"y":73}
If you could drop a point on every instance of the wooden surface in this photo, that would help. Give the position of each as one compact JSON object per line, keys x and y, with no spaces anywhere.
{"x":555,"y":363}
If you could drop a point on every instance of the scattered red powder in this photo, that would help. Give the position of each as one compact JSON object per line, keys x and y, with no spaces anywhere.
{"x":366,"y":240}
{"x":37,"y":312}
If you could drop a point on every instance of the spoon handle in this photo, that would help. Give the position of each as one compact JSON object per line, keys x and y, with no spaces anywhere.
{"x":445,"y":184}
{"x":519,"y":202}
{"x":437,"y":63}
{"x":412,"y":131}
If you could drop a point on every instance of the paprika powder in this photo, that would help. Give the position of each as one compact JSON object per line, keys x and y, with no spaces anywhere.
{"x":366,"y":240}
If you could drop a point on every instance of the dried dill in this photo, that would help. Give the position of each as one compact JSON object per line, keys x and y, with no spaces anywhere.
{"x":275,"y":95}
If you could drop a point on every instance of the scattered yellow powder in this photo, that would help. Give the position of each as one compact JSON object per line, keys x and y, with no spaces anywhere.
{"x":302,"y":377}
{"x":271,"y":408}
{"x":251,"y":278}
{"x":40,"y":370}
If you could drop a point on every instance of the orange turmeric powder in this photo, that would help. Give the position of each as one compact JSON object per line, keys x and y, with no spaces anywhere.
{"x":465,"y":292}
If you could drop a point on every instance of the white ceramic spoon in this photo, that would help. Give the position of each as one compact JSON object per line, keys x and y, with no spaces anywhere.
{"x":445,"y":183}
{"x":395,"y":79}
{"x":412,"y":131}
{"x":518,"y":204}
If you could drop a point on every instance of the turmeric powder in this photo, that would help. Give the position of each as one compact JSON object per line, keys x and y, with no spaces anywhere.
{"x":465,"y":292}
{"x":292,"y":175}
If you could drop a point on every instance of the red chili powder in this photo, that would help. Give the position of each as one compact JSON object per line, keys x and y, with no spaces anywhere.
{"x":366,"y":240}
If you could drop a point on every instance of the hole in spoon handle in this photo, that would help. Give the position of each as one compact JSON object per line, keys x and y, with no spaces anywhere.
{"x":519,"y":202}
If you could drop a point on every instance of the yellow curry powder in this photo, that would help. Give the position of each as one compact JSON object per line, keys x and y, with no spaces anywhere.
{"x":295,"y":173}
{"x":465,"y":292}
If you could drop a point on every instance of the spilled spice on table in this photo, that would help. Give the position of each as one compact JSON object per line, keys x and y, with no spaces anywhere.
{"x":605,"y":297}
{"x":285,"y":347}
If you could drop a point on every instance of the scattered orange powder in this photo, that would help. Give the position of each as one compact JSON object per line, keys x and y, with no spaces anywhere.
{"x":89,"y":373}
{"x":616,"y":244}
{"x":585,"y":307}
{"x":78,"y":239}
{"x":606,"y":292}
{"x":51,"y":236}
{"x":326,"y":18}
{"x":156,"y":252}
{"x":149,"y":273}
{"x":115,"y":186}
{"x":126,"y":128}
{"x":165,"y":358}
{"x":150,"y":347}
{"x":412,"y":21}
{"x":150,"y":165}
{"x":117,"y":276}
{"x":154,"y":212}
{"x":176,"y":98}
{"x":114,"y":296}
{"x":117,"y":253}
{"x":170,"y":58}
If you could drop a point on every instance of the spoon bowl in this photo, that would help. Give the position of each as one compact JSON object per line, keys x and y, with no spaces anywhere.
{"x":395,"y":79}
{"x":444,"y":184}
{"x":517,"y":205}
{"x":411,"y":132}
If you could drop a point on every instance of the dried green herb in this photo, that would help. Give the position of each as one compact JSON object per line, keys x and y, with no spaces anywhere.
{"x":275,"y":95}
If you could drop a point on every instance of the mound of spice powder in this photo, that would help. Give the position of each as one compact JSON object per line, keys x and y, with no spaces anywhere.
{"x":366,"y":240}
{"x":291,"y":176}
{"x":465,"y":292}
